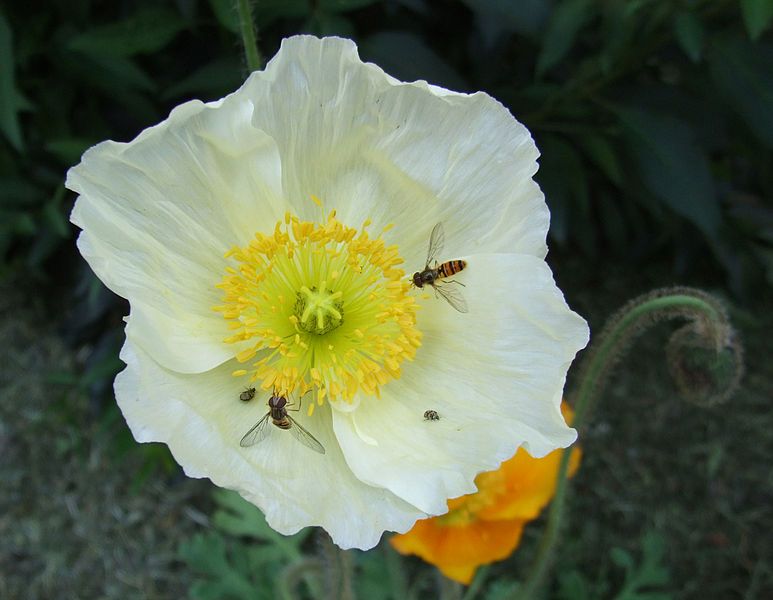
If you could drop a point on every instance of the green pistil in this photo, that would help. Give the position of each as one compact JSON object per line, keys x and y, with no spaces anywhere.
{"x":319,"y":310}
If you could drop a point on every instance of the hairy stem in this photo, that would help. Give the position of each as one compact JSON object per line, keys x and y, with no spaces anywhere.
{"x":707,"y":323}
{"x":292,"y":575}
{"x":394,"y":567}
{"x":477,"y":583}
{"x":338,"y":569}
{"x":249,"y":35}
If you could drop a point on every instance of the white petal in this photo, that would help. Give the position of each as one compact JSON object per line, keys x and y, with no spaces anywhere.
{"x":202,"y":420}
{"x":404,"y":153}
{"x":159,"y":212}
{"x":495,"y":375}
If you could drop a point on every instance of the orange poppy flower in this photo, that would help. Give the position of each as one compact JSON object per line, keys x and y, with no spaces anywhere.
{"x":486,"y":526}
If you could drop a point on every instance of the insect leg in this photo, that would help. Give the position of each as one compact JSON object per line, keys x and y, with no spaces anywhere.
{"x":300,"y":401}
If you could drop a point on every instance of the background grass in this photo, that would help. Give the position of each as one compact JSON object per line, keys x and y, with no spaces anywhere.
{"x":655,"y":121}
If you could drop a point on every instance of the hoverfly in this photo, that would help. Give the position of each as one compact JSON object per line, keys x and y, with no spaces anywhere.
{"x":434,"y":275}
{"x":247,"y":395}
{"x":431,"y":415}
{"x":277,"y":414}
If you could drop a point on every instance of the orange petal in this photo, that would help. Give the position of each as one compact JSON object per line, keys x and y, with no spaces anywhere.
{"x":530,"y":485}
{"x":459,"y":550}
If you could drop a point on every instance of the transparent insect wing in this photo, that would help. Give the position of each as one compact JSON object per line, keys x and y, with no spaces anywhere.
{"x":453,"y":297}
{"x":437,"y":240}
{"x":304,"y":437}
{"x":258,"y":433}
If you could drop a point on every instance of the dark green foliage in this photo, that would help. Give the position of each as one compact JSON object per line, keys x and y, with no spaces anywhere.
{"x":757,"y":15}
{"x":646,"y":579}
{"x":242,"y":557}
{"x":672,"y":166}
{"x":655,"y":118}
{"x":11,"y":100}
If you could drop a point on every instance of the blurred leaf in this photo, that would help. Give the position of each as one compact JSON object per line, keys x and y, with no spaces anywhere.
{"x":497,"y":16}
{"x":19,"y":223}
{"x":19,"y":192}
{"x":336,"y":6}
{"x":373,"y":581}
{"x":765,"y":256}
{"x":114,"y":73}
{"x":619,"y":26}
{"x":119,"y":79}
{"x":234,"y":569}
{"x":562,"y":176}
{"x":146,"y":31}
{"x":214,"y":79}
{"x":502,"y":589}
{"x":757,"y":15}
{"x":566,"y":21}
{"x":100,"y":366}
{"x":613,"y":222}
{"x":601,"y":152}
{"x":643,"y":579}
{"x":226,"y":14}
{"x":406,"y":56}
{"x":573,"y":585}
{"x":203,"y":551}
{"x":690,"y":34}
{"x":673,"y":166}
{"x":622,"y":559}
{"x":207,"y":554}
{"x":55,"y":219}
{"x":268,"y":11}
{"x":323,"y":24}
{"x":9,"y":95}
{"x":742,"y":72}
{"x":751,"y":216}
{"x":653,"y":548}
{"x":239,"y":517}
{"x":188,"y":9}
{"x":68,"y":150}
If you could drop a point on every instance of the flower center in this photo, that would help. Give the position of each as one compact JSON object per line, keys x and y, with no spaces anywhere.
{"x":319,"y":311}
{"x":319,"y":306}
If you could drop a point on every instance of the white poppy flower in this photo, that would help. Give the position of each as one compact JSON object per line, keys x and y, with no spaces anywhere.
{"x":267,"y":240}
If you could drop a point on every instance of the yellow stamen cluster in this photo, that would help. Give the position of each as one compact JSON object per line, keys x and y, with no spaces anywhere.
{"x":320,"y":306}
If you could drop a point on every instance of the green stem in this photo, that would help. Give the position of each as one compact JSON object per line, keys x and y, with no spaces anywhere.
{"x":448,"y":589}
{"x":347,"y":576}
{"x":293,"y":574}
{"x":249,"y":35}
{"x":339,"y":570}
{"x":394,"y":568}
{"x":676,"y":303}
{"x":633,"y":319}
{"x":477,"y":584}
